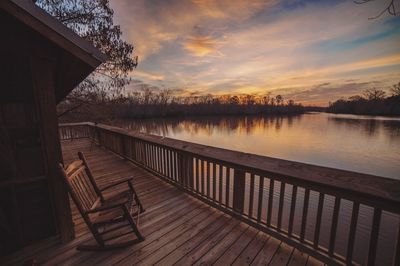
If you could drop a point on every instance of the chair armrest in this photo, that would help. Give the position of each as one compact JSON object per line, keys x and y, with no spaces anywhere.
{"x":128,"y":179}
{"x":108,"y":206}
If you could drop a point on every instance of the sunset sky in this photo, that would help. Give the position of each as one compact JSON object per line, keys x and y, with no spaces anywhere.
{"x":310,"y":51}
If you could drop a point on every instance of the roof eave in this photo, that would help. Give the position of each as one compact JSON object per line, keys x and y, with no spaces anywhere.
{"x":39,"y":20}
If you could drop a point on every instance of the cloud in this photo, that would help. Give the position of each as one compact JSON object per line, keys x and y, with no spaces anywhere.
{"x":230,"y":9}
{"x":150,"y":24}
{"x":221,"y":46}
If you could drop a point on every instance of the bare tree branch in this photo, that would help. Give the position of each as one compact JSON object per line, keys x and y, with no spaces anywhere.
{"x":390,"y":8}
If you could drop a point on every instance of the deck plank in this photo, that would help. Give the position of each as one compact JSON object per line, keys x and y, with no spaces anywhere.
{"x":234,"y":250}
{"x":267,"y":252}
{"x":251,"y":251}
{"x":178,"y":229}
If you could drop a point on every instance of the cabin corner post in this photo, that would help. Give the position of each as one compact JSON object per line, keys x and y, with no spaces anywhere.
{"x":43,"y":73}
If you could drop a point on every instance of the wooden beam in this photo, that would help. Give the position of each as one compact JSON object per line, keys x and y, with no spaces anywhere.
{"x":42,"y":70}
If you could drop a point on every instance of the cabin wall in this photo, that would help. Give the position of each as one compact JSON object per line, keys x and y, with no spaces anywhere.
{"x":26,"y":214}
{"x":34,"y":204}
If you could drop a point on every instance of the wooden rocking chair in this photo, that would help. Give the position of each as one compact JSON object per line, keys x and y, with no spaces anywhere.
{"x":110,"y":218}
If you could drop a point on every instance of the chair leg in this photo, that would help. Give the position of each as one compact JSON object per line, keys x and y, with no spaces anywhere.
{"x":135,"y":195}
{"x":133,"y":224}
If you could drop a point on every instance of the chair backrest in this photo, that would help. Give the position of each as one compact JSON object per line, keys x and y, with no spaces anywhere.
{"x":81,"y":185}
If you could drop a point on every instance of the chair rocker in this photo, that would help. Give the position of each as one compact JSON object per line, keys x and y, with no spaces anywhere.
{"x":110,"y":219}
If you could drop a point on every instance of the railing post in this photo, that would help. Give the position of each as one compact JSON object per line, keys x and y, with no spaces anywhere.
{"x":238,"y":190}
{"x":181,"y":169}
{"x":185,"y":168}
{"x":97,"y":135}
{"x":123,"y":146}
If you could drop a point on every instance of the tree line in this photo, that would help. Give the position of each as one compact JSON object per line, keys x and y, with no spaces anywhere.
{"x":150,"y":103}
{"x":371,"y":102}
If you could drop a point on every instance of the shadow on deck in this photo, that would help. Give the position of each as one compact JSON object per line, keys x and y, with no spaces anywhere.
{"x":178,"y":228}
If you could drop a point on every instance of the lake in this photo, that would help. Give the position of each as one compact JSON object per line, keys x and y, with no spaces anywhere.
{"x":362,"y":144}
{"x":357,"y":143}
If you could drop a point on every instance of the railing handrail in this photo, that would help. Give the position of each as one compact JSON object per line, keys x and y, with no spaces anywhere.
{"x":377,"y":191}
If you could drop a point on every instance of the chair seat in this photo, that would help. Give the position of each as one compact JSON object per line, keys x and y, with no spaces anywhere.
{"x":122,"y":197}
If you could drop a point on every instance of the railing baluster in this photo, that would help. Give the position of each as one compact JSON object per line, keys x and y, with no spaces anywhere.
{"x":168,"y":163}
{"x":149,"y":155}
{"x":214,"y":181}
{"x":175,"y":165}
{"x":159,"y":160}
{"x":165,"y":162}
{"x":251,"y":195}
{"x":260,"y":198}
{"x":208,"y":178}
{"x":319,"y":218}
{"x":227,"y":188}
{"x":190,"y":172}
{"x":143,"y":157}
{"x":335,"y":216}
{"x":292,"y":209}
{"x":134,"y":150}
{"x":202,"y":176}
{"x":281,"y":202}
{"x":198,"y":175}
{"x":270,"y":200}
{"x":146,"y":152}
{"x":373,"y":242}
{"x":304,"y":216}
{"x":179,"y":169}
{"x":171,"y":164}
{"x":154,"y":157}
{"x":220,"y":183}
{"x":352,"y":233}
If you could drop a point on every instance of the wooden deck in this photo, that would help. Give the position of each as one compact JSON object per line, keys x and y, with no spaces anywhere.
{"x":179,"y":229}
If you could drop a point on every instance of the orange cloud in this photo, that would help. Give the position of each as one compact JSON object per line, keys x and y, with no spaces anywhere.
{"x":202,"y":45}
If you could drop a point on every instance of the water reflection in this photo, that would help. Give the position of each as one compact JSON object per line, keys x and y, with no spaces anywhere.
{"x":370,"y":127}
{"x":208,"y":125}
{"x":358,"y":143}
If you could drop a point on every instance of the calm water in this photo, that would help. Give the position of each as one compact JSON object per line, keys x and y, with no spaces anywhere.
{"x":357,"y":143}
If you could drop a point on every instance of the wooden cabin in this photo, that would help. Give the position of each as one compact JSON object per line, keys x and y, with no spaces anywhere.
{"x":41,"y":62}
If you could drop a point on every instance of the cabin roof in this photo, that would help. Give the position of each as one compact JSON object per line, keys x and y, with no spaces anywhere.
{"x":39,"y":20}
{"x":75,"y":58}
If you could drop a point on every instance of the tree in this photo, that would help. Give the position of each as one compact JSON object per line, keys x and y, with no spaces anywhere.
{"x":395,"y":89}
{"x":93,"y":21}
{"x":374,"y":94}
{"x":356,"y":98}
{"x":279,"y":99}
{"x":266,"y":98}
{"x":234,"y":100}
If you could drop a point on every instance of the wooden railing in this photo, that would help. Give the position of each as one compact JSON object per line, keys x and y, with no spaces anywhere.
{"x":337,"y":216}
